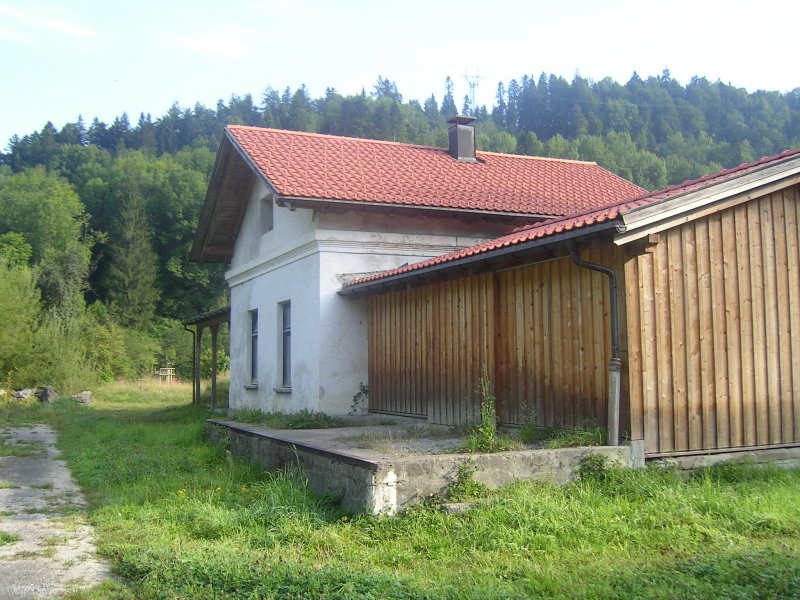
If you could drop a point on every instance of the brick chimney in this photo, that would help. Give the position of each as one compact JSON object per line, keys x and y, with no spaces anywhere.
{"x":461,"y":134}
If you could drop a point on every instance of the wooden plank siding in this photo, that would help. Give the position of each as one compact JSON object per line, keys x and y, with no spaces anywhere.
{"x":541,"y":331}
{"x":714,"y":330}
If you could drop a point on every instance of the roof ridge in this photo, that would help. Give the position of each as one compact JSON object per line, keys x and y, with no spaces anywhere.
{"x":333,"y":136}
{"x":409,"y":144}
{"x":542,"y":158}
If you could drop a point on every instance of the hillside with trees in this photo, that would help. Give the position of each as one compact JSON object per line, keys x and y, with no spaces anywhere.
{"x":96,"y":219}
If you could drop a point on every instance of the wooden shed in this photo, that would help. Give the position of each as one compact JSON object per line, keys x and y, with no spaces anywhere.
{"x":708,"y":304}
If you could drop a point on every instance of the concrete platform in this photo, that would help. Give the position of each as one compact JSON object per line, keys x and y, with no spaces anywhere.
{"x":393,"y":477}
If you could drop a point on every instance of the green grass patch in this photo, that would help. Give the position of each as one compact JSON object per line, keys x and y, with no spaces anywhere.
{"x":180,"y":517}
{"x":464,"y":487}
{"x":21,"y":448}
{"x":55,"y":540}
{"x":304,"y":419}
{"x":555,"y":437}
{"x":478,"y":442}
{"x":8,"y":538}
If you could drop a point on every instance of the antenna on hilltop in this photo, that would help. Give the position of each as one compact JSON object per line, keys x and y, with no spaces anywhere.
{"x":472,"y":82}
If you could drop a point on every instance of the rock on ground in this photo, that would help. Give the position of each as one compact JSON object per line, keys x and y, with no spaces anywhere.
{"x":84,"y":397}
{"x":47,"y":394}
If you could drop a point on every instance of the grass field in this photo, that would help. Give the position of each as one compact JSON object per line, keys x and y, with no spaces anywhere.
{"x":179,"y":518}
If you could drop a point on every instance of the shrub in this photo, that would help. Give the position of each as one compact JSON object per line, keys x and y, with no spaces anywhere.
{"x":60,"y":356}
{"x":19,"y":314}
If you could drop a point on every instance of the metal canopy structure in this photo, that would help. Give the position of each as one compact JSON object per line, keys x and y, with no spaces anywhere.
{"x":207,"y":320}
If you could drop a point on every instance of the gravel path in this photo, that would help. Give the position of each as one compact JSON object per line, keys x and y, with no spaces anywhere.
{"x":46,"y":545}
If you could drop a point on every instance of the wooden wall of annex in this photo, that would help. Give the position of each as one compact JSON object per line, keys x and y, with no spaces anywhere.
{"x":714,"y":330}
{"x":541,"y":331}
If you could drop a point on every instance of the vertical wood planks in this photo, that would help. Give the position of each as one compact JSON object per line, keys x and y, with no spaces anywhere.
{"x":716,"y":309}
{"x":712,"y":336}
{"x":544,"y":345}
{"x":792,"y":227}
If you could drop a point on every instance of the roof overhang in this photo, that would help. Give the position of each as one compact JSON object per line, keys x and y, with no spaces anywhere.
{"x":231,"y":181}
{"x":530,"y":252}
{"x":231,"y":184}
{"x":676,"y":210}
{"x":216,"y":316}
{"x":334,"y":204}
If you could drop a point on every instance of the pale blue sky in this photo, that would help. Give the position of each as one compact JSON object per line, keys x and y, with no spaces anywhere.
{"x":102,"y":58}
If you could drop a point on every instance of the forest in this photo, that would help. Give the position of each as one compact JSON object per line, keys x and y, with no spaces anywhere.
{"x":96,"y":219}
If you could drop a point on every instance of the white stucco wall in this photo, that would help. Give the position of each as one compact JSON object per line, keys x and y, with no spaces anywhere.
{"x":287,"y":282}
{"x":301,"y":260}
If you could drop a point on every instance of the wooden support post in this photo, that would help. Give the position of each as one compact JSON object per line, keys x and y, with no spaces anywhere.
{"x":214,"y":331}
{"x":197,"y":348}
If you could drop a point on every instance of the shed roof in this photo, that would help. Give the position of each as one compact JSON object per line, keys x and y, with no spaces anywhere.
{"x":611,"y":216}
{"x":308,"y":168}
{"x":210,"y":317}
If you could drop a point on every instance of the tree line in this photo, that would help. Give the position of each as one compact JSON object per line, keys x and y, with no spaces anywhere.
{"x":96,"y":220}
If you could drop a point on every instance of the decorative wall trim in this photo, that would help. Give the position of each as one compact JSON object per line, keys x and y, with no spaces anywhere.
{"x":260,"y":266}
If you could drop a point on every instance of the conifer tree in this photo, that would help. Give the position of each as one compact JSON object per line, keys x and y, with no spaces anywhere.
{"x":133,"y":273}
{"x":449,"y":108}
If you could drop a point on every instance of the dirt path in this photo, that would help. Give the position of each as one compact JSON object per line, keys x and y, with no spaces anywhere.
{"x":46,"y":545}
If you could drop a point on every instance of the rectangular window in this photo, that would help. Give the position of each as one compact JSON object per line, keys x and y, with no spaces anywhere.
{"x":253,"y":346}
{"x":286,"y":343}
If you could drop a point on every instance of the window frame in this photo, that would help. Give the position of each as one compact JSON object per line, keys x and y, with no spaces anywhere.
{"x":285,"y":344}
{"x":253,"y":347}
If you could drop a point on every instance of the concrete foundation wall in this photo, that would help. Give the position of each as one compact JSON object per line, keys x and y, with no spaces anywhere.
{"x":352,"y":481}
{"x":390,"y":485}
{"x":780,"y":457}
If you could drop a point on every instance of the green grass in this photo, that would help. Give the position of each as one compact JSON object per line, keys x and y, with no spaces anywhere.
{"x":180,"y":518}
{"x":21,"y":448}
{"x":554,"y":437}
{"x":304,"y":419}
{"x":8,"y":538}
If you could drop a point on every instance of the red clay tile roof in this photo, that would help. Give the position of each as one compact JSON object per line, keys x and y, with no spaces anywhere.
{"x":314,"y":166}
{"x":559,"y":225}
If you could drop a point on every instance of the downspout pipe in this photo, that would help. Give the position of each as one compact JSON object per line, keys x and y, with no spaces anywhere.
{"x":615,"y":363}
{"x":194,"y":349}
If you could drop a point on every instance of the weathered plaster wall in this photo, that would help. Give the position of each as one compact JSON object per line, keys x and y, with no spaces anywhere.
{"x":302,"y":260}
{"x":270,"y":267}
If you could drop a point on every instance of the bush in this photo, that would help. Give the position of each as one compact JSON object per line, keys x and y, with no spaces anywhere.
{"x":60,"y":357}
{"x":105,"y":343}
{"x":141,"y":353}
{"x":19,"y":315}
